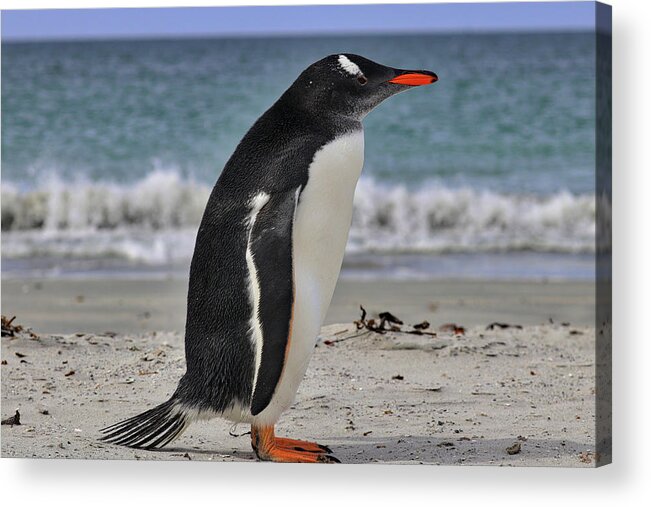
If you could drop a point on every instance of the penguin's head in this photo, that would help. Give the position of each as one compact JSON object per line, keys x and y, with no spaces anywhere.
{"x":351,"y":85}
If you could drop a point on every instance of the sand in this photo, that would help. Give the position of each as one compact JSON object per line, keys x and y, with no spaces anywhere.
{"x":392,"y":398}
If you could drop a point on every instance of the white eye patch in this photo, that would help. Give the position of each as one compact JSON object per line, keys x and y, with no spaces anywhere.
{"x":349,"y":67}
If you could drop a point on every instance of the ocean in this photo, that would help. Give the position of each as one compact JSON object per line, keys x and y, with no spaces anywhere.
{"x":110,"y":150}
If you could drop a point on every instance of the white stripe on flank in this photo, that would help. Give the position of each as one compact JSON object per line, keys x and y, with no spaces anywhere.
{"x":349,"y":66}
{"x":254,"y":286}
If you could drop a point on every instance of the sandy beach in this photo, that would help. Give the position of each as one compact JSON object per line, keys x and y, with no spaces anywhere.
{"x":448,"y":399}
{"x":129,"y":305}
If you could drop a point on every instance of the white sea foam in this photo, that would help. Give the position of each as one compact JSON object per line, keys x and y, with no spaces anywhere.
{"x":435,"y":218}
{"x":154,"y":220}
{"x":162,"y":200}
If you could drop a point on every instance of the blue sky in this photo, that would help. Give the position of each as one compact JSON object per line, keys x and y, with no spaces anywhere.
{"x":230,"y":21}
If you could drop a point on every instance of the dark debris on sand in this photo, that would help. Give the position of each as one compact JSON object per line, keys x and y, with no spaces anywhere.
{"x":394,"y":324}
{"x":14,"y":420}
{"x":11,"y":330}
{"x":502,"y":325}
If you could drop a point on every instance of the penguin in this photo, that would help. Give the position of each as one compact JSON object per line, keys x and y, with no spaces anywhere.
{"x":267,"y":257}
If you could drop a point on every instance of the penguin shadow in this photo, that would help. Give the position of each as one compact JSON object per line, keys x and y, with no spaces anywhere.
{"x":458,"y":451}
{"x":428,"y":450}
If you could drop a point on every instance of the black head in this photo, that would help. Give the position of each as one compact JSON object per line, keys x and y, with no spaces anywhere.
{"x":351,"y":85}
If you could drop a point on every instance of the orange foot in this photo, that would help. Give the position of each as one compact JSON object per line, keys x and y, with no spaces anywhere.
{"x":268,"y":447}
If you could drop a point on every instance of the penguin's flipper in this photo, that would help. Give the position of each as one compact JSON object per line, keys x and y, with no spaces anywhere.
{"x":270,"y":246}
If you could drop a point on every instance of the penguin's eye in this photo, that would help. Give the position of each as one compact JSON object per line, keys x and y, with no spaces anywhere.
{"x":361,"y":79}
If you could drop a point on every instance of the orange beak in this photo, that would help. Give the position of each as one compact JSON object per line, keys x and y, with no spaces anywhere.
{"x":414,"y":79}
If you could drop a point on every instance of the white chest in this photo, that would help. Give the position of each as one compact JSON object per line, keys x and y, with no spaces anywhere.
{"x":324,"y":216}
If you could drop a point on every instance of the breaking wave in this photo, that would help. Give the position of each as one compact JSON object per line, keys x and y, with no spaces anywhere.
{"x":434,"y":218}
{"x":154,"y":220}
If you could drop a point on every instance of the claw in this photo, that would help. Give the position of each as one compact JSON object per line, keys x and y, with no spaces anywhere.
{"x":327,"y":458}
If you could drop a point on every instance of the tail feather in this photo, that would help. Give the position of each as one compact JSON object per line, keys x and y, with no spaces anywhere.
{"x":172,"y":432}
{"x":152,"y":429}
